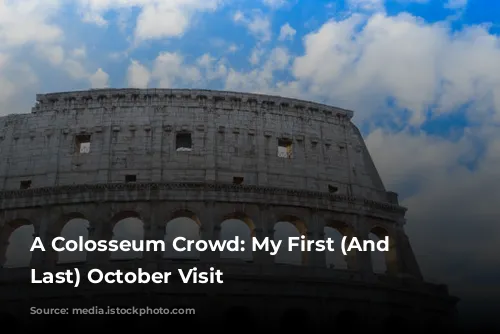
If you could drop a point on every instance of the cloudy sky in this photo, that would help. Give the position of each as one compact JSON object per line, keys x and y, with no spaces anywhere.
{"x":423,"y":77}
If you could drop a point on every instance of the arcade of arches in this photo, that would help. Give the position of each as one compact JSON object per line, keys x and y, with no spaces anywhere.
{"x":17,"y":235}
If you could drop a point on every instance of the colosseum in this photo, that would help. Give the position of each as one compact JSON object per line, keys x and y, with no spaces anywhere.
{"x":211,"y":165}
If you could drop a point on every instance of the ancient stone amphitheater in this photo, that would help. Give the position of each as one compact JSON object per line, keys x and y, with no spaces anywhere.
{"x":209,"y":156}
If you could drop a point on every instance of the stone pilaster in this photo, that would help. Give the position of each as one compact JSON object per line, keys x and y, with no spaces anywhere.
{"x":4,"y":245}
{"x":264,"y":231}
{"x":158,"y":232}
{"x":363,"y":259}
{"x":149,"y":234}
{"x":210,"y":230}
{"x":99,"y":230}
{"x":316,"y":231}
{"x":51,"y":256}
{"x":39,"y":258}
{"x":407,"y":263}
{"x":351,"y":257}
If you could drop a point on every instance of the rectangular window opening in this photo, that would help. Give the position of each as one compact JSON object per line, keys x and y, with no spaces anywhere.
{"x":285,"y":148}
{"x":130,"y":178}
{"x":25,"y":184}
{"x":237,"y":180}
{"x":332,"y":189}
{"x":82,"y":144}
{"x":183,"y":142}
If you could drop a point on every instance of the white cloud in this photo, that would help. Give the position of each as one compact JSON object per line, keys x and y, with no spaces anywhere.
{"x":54,"y":54}
{"x":430,"y":165}
{"x":232,"y":48}
{"x":350,"y":67}
{"x":212,"y":68}
{"x":75,"y":69}
{"x":259,"y":80}
{"x":138,"y":75}
{"x":286,"y":32}
{"x":258,"y":25}
{"x":256,"y":55}
{"x":275,"y":3}
{"x":456,"y":4}
{"x":99,"y":79}
{"x":377,"y":5}
{"x":28,"y":21}
{"x":80,"y":52}
{"x":10,"y":72}
{"x":157,"y":18}
{"x":238,"y":16}
{"x":366,"y":5}
{"x":78,"y":72}
{"x":169,"y":68}
{"x":160,"y":21}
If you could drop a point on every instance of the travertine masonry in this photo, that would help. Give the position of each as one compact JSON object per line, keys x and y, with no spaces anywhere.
{"x":233,"y":135}
{"x":157,"y":155}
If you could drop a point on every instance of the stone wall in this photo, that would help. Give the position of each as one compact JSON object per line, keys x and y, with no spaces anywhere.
{"x":108,"y":155}
{"x":133,"y":136}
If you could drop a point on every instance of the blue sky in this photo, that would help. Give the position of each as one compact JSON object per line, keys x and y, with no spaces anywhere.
{"x":423,"y":78}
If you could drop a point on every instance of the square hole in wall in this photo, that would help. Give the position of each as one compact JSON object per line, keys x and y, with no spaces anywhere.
{"x":26,"y":184}
{"x":285,"y":148}
{"x":82,"y":143}
{"x":130,"y":178}
{"x":332,"y":189}
{"x":237,"y":180}
{"x":183,"y":142}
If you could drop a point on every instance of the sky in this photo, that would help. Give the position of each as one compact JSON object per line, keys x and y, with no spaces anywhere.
{"x":422,"y":76}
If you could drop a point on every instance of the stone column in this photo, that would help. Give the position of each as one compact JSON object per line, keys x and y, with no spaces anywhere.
{"x":51,"y":256}
{"x":262,"y":141}
{"x":363,"y":259}
{"x":5,"y":233}
{"x":351,"y":257}
{"x":316,"y":232}
{"x":211,"y":138}
{"x":264,"y":230}
{"x":158,"y":231}
{"x":4,"y":245}
{"x":210,"y":230}
{"x":407,"y":263}
{"x":39,"y":257}
{"x":149,"y":229}
{"x":99,"y":230}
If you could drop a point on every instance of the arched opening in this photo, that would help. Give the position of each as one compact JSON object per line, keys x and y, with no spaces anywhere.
{"x":378,"y":258}
{"x":284,"y":229}
{"x":238,"y":226}
{"x":184,"y":315}
{"x":240,"y":318}
{"x":16,"y":240}
{"x":183,"y":224}
{"x":128,"y":227}
{"x":72,"y":230}
{"x":295,"y":320}
{"x":336,"y":231}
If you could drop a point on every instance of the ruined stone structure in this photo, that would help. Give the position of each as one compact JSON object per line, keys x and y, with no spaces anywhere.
{"x":158,"y":154}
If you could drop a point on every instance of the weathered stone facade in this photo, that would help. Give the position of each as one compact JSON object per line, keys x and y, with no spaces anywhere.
{"x":105,"y":155}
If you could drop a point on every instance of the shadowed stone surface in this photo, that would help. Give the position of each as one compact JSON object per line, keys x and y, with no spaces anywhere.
{"x":158,"y":155}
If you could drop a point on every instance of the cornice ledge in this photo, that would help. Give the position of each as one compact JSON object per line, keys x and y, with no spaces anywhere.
{"x":218,"y":187}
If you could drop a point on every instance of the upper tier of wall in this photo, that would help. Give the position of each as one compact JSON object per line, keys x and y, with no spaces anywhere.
{"x":133,"y":132}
